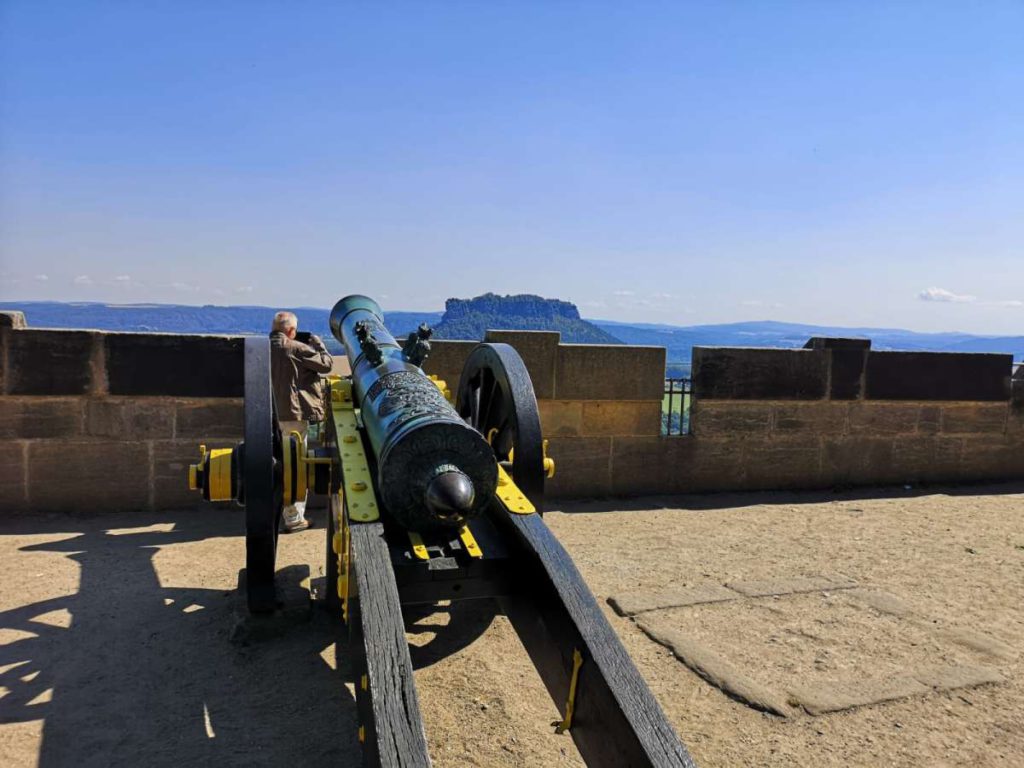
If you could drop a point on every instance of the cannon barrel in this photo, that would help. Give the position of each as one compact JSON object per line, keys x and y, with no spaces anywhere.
{"x":434,"y":470}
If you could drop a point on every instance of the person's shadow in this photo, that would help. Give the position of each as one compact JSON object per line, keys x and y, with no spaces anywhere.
{"x":126,"y":671}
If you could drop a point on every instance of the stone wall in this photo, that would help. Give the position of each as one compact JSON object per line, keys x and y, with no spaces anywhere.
{"x":594,"y":402}
{"x":109,"y":421}
{"x":833,"y":414}
{"x":839,"y":414}
{"x":93,"y":421}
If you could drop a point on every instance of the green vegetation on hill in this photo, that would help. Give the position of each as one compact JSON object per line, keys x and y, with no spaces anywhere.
{"x":471,"y":318}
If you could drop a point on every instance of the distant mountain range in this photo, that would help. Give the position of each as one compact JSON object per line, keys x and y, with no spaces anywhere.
{"x":468,"y":319}
{"x":679,"y":340}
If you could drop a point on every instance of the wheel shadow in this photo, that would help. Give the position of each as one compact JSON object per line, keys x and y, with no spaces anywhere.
{"x":440,"y":630}
{"x":126,"y":671}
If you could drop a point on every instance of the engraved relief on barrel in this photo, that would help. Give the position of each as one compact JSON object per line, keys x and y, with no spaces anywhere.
{"x":435,"y":471}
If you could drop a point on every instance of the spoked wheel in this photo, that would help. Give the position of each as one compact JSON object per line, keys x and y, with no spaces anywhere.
{"x":262,"y":502}
{"x":496,"y":398}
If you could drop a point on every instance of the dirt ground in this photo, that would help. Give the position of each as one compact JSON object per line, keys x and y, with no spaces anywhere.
{"x":115,"y":641}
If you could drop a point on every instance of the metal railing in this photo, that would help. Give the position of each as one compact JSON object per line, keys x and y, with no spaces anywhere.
{"x":675,"y":407}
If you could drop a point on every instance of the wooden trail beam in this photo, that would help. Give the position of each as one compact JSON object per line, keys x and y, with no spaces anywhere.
{"x":389,"y":710}
{"x":616,"y":721}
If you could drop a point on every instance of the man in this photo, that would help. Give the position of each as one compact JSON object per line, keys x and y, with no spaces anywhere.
{"x":298,"y":362}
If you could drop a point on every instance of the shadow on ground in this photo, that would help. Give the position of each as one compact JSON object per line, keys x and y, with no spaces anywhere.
{"x":127,"y":672}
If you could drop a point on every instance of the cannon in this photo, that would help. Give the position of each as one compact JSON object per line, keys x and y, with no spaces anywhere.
{"x":433,"y":496}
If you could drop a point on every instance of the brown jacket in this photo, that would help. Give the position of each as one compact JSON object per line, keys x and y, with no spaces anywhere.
{"x":296,"y":372}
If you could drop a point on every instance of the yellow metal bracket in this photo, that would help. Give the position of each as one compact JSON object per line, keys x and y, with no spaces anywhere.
{"x":341,"y":544}
{"x":361,"y":500}
{"x":563,"y":725}
{"x":469,"y":542}
{"x":419,"y":549}
{"x":515,"y":501}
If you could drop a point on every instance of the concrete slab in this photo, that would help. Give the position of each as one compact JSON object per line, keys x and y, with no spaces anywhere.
{"x":952,"y":676}
{"x":881,"y":601}
{"x":641,"y":601}
{"x":819,"y":699}
{"x":715,"y":669}
{"x":774,"y":587}
{"x":979,"y":641}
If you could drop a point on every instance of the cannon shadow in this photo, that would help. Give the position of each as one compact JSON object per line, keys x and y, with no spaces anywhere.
{"x":127,"y":671}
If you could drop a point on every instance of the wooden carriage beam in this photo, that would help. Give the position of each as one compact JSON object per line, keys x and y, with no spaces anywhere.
{"x":608,"y":709}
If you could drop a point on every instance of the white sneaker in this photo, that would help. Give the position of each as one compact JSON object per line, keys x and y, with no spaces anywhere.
{"x":294,"y":518}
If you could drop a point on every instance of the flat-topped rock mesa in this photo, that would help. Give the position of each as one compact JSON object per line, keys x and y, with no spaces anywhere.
{"x":472,"y":318}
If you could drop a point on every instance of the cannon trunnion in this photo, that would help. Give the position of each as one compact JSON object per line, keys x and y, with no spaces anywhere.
{"x":434,"y":500}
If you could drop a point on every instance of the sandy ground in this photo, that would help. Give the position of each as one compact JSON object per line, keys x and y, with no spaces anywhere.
{"x":115,"y":649}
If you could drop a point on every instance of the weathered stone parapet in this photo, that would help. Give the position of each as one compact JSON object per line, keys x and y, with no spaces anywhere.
{"x":539,"y":350}
{"x":583,"y":467}
{"x":755,"y":373}
{"x":95,"y":421}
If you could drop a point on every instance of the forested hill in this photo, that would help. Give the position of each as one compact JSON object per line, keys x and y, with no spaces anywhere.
{"x":471,"y":318}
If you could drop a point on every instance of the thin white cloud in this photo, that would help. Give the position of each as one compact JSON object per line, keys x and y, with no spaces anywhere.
{"x":943,"y":296}
{"x":761,"y":304}
{"x":82,"y":280}
{"x":623,"y":293}
{"x":42,"y":278}
{"x":123,"y":279}
{"x":185,"y":287}
{"x":243,"y":289}
{"x":1008,"y":303}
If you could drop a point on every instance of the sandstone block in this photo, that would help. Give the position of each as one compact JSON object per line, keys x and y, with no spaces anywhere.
{"x":710,"y":465}
{"x":124,"y":418}
{"x":174,"y":365}
{"x":842,"y":695}
{"x":847,"y":358}
{"x":995,"y":458}
{"x":937,"y":376}
{"x":582,"y":467}
{"x":539,"y":350}
{"x":641,"y":601}
{"x":40,"y":417}
{"x":858,"y":461}
{"x":782,"y":463}
{"x":10,"y":318}
{"x":929,"y":420}
{"x":869,"y":418}
{"x":715,"y":669}
{"x":561,"y":418}
{"x":622,"y":417}
{"x":739,"y":373}
{"x":612,"y":372}
{"x":88,"y":476}
{"x":792,"y":586}
{"x":170,"y":472}
{"x":975,"y":418}
{"x":814,"y":418}
{"x":218,"y":418}
{"x":447,"y":358}
{"x":726,"y":418}
{"x":13,"y":488}
{"x":50,"y":362}
{"x":927,"y":459}
{"x":646,"y":465}
{"x":953,"y":676}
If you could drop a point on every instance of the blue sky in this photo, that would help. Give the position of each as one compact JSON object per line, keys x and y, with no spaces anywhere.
{"x":845,"y":163}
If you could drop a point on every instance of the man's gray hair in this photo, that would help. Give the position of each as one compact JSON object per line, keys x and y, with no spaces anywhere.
{"x":284,"y":320}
